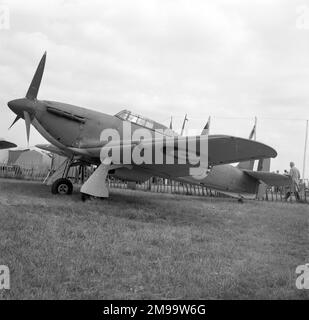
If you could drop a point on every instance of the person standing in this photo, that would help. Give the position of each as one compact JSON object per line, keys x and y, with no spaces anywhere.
{"x":294,"y":185}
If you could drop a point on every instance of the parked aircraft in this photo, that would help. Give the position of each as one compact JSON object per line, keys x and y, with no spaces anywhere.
{"x":77,"y":133}
{"x":6,"y":145}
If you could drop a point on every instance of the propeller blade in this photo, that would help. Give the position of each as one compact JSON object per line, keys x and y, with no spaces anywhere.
{"x":36,"y":81}
{"x":28,"y":123}
{"x":16,"y":119}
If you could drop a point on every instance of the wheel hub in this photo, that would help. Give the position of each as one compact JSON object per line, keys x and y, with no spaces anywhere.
{"x":63,"y":189}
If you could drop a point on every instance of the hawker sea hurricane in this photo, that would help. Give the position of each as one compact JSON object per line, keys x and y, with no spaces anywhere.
{"x":78,"y":133}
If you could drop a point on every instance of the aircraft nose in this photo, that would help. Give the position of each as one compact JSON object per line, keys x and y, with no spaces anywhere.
{"x":18,"y":106}
{"x":11,"y":105}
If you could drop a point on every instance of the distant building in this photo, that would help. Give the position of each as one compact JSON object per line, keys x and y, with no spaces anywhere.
{"x":26,"y":159}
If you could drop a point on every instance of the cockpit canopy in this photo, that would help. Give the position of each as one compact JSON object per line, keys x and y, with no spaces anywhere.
{"x":134,"y":118}
{"x":144,"y":122}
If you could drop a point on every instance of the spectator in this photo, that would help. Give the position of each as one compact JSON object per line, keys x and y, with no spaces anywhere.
{"x":294,"y":185}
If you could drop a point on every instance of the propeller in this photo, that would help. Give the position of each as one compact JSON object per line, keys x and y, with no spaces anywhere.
{"x":36,"y":81}
{"x":28,"y":123}
{"x":16,"y":119}
{"x":24,"y":111}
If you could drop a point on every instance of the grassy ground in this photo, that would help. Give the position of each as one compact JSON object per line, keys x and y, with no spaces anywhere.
{"x":147,"y":245}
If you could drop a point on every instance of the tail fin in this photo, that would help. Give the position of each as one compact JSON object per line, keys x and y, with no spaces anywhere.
{"x":264,"y":165}
{"x":246,"y":165}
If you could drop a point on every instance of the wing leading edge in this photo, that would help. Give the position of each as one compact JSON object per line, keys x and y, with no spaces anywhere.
{"x":221,"y":149}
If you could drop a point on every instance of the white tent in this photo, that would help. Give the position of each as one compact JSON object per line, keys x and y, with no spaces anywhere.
{"x":27,"y":159}
{"x":4,"y":155}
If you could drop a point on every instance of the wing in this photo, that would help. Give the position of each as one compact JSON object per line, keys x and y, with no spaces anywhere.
{"x":51,"y":148}
{"x":221,"y":150}
{"x":6,"y":145}
{"x":229,"y":149}
{"x":271,"y":179}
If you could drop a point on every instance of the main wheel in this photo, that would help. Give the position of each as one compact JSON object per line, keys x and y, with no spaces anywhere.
{"x":62,"y":186}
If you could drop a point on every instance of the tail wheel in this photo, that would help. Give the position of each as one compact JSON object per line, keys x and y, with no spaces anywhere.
{"x":62,"y":186}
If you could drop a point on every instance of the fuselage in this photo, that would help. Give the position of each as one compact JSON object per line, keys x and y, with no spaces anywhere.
{"x":79,"y":126}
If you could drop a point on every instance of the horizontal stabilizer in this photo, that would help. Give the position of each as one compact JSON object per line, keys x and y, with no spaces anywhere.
{"x":270,"y":178}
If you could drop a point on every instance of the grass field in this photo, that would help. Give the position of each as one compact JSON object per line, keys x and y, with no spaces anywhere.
{"x":147,"y":245}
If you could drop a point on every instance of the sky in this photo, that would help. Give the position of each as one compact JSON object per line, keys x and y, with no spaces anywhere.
{"x":231,"y":60}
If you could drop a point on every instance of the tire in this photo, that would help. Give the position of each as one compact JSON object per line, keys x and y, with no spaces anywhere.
{"x":62,"y":186}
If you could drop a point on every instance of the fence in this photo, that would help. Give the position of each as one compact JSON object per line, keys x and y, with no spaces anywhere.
{"x":152,"y":185}
{"x":175,"y":187}
{"x":279,"y":193}
{"x":164,"y":186}
{"x":17,"y":172}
